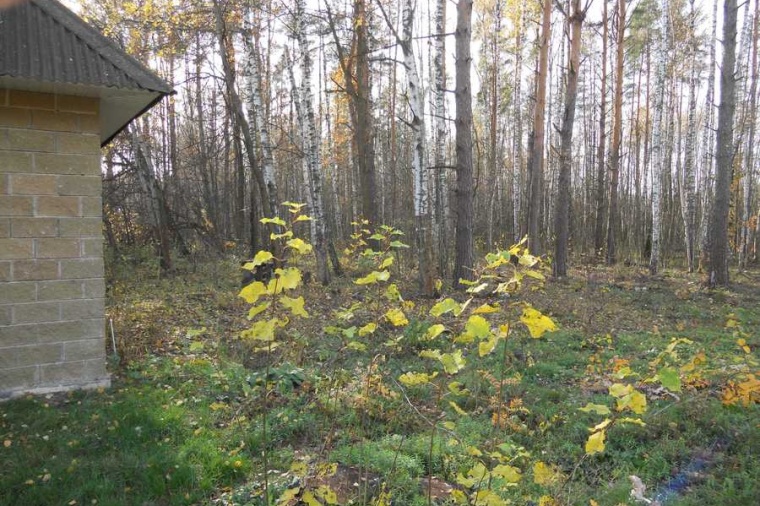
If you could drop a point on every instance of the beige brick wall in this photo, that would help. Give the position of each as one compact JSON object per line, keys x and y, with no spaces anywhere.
{"x":51,"y":266}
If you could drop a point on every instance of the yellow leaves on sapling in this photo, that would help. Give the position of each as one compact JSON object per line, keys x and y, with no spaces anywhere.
{"x":537,"y":323}
{"x":434,"y":331}
{"x":416,"y":378}
{"x":595,"y":442}
{"x":295,"y":306}
{"x":396,"y":317}
{"x":253,"y":291}
{"x":299,"y":245}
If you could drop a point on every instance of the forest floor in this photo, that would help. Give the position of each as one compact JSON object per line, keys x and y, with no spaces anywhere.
{"x":183,"y":422}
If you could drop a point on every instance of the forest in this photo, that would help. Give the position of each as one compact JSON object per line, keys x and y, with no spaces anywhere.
{"x":493,"y":252}
{"x":594,"y":129}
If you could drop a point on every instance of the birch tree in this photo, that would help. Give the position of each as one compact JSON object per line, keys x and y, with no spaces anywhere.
{"x":439,"y":115}
{"x":517,"y":141}
{"x":687,"y":194}
{"x":657,"y":151}
{"x":311,"y":148}
{"x":707,"y":164}
{"x":417,"y":125}
{"x":747,"y":179}
{"x":258,"y":121}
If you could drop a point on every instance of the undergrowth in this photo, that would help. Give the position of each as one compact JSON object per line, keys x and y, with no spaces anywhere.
{"x":379,"y":398}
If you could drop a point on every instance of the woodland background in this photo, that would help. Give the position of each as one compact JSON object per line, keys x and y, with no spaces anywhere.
{"x":610,"y":131}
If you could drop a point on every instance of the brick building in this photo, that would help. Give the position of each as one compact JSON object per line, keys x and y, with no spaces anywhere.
{"x":65,"y":90}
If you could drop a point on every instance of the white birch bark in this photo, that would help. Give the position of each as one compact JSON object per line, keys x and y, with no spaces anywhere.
{"x":517,"y":141}
{"x":708,"y":145}
{"x":311,"y":148}
{"x":439,"y":113}
{"x":745,"y":229}
{"x":257,"y":118}
{"x":657,"y":158}
{"x":687,"y":193}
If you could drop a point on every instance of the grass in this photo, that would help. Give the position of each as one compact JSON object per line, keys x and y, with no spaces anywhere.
{"x":182,"y":423}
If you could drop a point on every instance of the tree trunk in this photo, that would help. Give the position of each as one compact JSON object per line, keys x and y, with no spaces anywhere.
{"x":708,"y":155}
{"x":536,"y":162}
{"x":517,"y":141}
{"x":746,"y":226}
{"x":158,"y":212}
{"x":441,"y":192}
{"x":241,"y":123}
{"x":417,"y":124}
{"x":562,"y":210}
{"x":465,"y":256}
{"x":658,"y":151}
{"x":718,"y":261}
{"x":617,"y":134}
{"x":258,"y":118}
{"x":688,"y":196}
{"x":601,"y":184}
{"x":311,"y":149}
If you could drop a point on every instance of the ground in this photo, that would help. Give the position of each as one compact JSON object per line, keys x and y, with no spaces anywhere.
{"x":345,"y":416}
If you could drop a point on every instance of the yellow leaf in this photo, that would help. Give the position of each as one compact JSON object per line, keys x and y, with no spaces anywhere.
{"x":595,"y":443}
{"x":546,"y":500}
{"x":599,"y":409}
{"x":392,"y":293}
{"x":396,"y":317}
{"x":303,"y":217}
{"x":444,"y":307}
{"x":478,"y":327}
{"x":416,"y":378}
{"x":601,"y":425}
{"x":260,"y":258}
{"x":488,"y":345}
{"x":299,"y":245}
{"x":486,"y":308}
{"x":544,"y":474}
{"x":309,"y":499}
{"x":510,"y":473}
{"x":367,"y":329}
{"x":253,"y":291}
{"x":489,"y":498}
{"x":619,"y":390}
{"x":528,"y":260}
{"x":387,"y":262}
{"x":373,"y":277}
{"x":288,"y":278}
{"x":288,"y":496}
{"x":273,"y":221}
{"x":537,"y":323}
{"x":294,"y":305}
{"x":456,"y":408}
{"x":434,"y":331}
{"x":258,"y":309}
{"x":453,"y":362}
{"x":592,"y":502}
{"x":263,"y":330}
{"x":299,"y":468}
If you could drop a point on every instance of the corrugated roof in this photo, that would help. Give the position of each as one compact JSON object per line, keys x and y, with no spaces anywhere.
{"x":45,"y":41}
{"x":47,"y":48}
